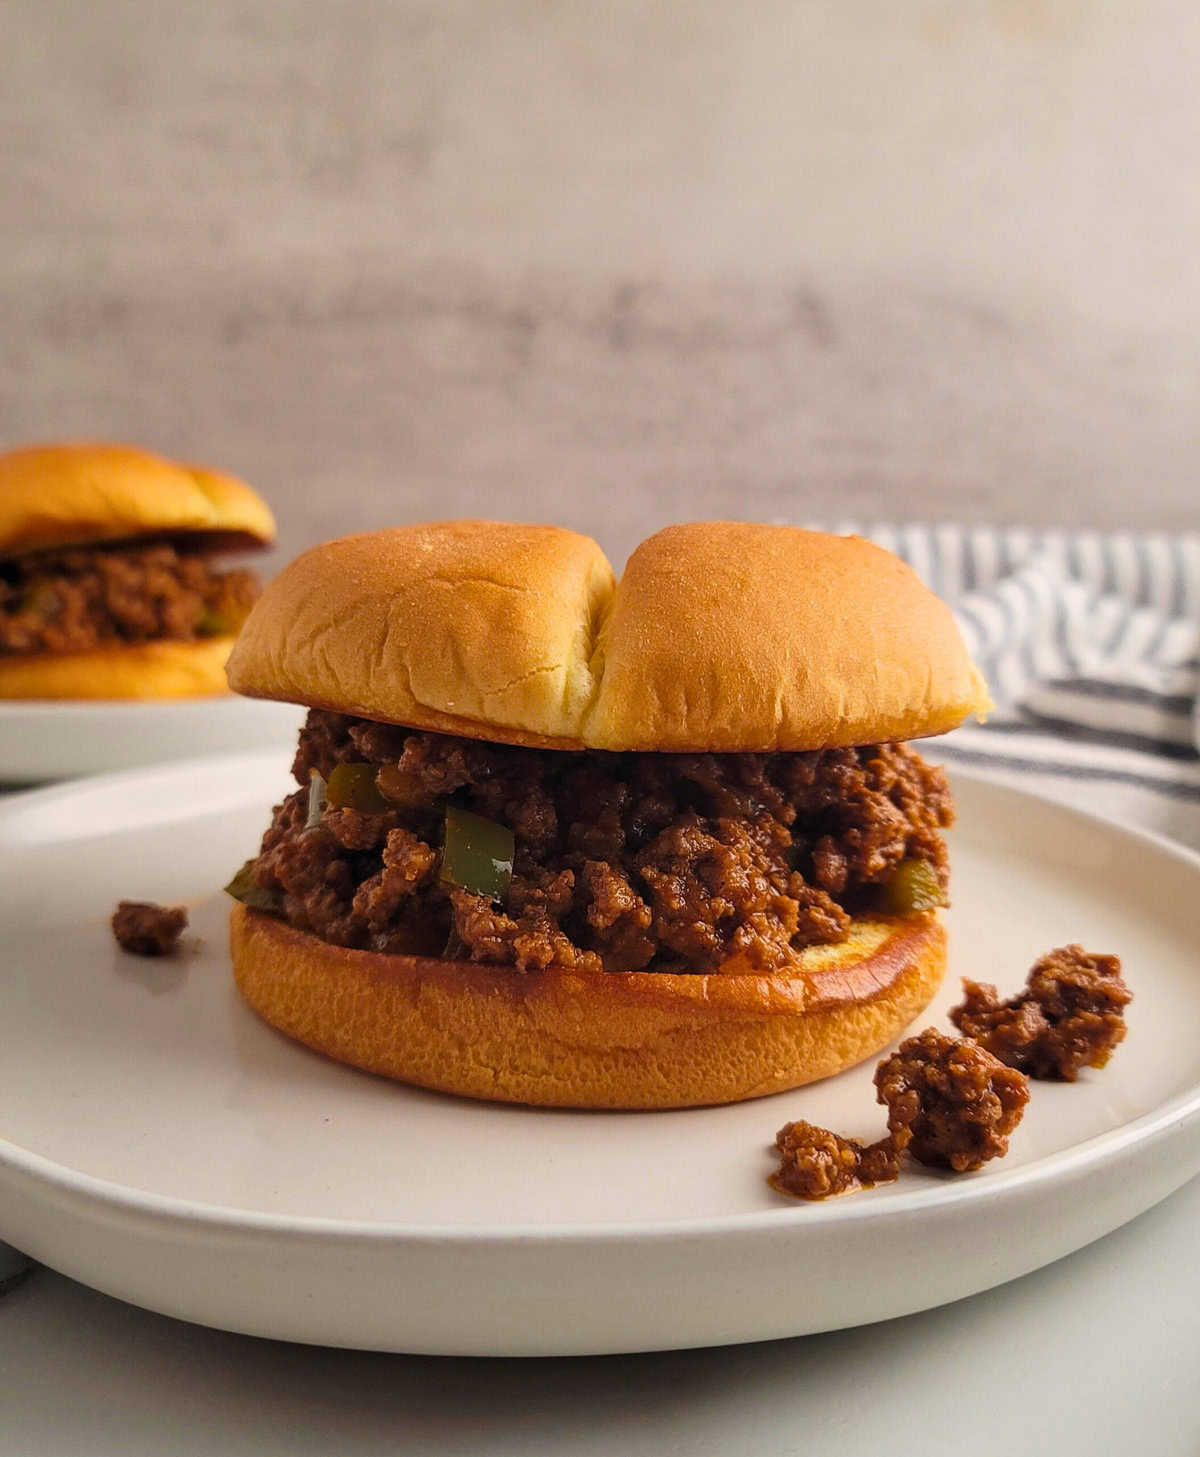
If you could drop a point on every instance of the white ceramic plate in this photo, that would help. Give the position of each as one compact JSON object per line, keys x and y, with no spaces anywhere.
{"x":165,"y":1146}
{"x":44,"y":740}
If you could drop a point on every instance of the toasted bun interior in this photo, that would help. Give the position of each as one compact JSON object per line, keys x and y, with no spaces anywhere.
{"x":78,"y":494}
{"x":600,"y":1040}
{"x":721,"y":636}
{"x":159,"y":669}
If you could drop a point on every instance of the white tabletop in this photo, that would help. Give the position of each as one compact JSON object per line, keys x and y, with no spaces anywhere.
{"x":1099,"y":1353}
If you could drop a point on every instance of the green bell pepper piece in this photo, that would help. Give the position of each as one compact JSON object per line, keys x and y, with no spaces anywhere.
{"x":477,"y":854}
{"x":243,"y":887}
{"x":914,"y":887}
{"x":352,"y":786}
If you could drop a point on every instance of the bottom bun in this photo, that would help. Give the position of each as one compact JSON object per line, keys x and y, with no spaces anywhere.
{"x":594,"y":1039}
{"x":160,"y":669}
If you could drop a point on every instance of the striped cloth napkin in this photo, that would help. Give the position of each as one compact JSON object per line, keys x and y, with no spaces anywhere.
{"x":1091,"y":645}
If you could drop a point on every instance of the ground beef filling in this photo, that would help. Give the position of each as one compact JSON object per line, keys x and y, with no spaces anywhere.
{"x":623,"y":862}
{"x":75,"y":601}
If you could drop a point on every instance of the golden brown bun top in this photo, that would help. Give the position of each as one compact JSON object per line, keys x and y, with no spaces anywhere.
{"x":721,"y":636}
{"x":75,"y":494}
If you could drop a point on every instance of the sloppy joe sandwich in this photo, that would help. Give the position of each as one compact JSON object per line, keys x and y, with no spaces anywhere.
{"x":563,"y":840}
{"x":110,"y":585}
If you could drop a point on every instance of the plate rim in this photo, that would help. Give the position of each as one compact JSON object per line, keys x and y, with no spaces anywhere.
{"x":1173,"y":1116}
{"x":20,"y":802}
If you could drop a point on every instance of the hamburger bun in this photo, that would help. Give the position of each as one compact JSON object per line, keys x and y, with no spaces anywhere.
{"x":721,"y":636}
{"x":162,"y":668}
{"x":80,"y":494}
{"x":635,"y":1040}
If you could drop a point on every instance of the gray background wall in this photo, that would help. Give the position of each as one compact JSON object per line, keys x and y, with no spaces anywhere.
{"x":614,"y":264}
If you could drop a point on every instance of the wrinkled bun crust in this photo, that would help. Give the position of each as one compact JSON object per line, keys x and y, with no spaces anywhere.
{"x":604,"y":1040}
{"x":55,"y":496}
{"x":721,"y":636}
{"x":159,"y":669}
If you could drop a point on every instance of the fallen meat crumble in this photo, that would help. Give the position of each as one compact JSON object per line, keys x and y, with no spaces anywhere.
{"x":620,"y":862}
{"x":950,"y":1104}
{"x":1071,"y":1015}
{"x":949,"y":1101}
{"x":78,"y":600}
{"x":955,"y":1102}
{"x":816,"y":1164}
{"x":147,"y":929}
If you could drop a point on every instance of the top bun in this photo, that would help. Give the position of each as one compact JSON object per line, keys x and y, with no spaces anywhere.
{"x":722,"y":636}
{"x":74,"y":495}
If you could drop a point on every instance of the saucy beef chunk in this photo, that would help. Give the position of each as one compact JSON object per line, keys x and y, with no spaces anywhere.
{"x":621,"y":862}
{"x":73,"y":601}
{"x":1071,"y":1015}
{"x":815,"y":1164}
{"x":950,"y":1101}
{"x":147,"y":929}
{"x":954,"y":1102}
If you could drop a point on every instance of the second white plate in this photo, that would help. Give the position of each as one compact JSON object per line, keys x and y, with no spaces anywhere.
{"x":164,"y":1145}
{"x":41,"y":740}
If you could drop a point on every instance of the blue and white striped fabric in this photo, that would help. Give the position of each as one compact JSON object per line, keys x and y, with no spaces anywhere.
{"x":1091,"y":645}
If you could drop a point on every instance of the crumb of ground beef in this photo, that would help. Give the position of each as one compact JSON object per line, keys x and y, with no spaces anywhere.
{"x":1071,"y":1015}
{"x":148,"y":929}
{"x":816,"y":1164}
{"x":950,"y":1101}
{"x":74,"y":601}
{"x":623,"y":862}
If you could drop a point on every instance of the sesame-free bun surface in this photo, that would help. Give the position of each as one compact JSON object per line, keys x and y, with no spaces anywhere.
{"x":721,"y":636}
{"x":78,"y":494}
{"x":158,"y":669}
{"x":591,"y":1040}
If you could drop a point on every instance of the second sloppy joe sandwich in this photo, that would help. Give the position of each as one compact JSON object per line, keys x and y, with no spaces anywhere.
{"x":110,"y":583}
{"x":565,"y":841}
